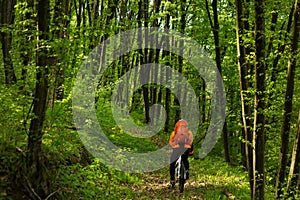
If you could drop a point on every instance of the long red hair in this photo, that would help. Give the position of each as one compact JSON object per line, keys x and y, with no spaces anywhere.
{"x":180,"y":125}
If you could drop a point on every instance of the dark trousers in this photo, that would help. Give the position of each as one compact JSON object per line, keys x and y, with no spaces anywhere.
{"x":174,"y":157}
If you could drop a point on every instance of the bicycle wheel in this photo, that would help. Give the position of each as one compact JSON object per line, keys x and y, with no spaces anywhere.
{"x":181,"y":178}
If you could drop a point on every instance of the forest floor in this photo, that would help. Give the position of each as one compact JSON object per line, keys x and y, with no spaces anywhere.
{"x":209,"y":179}
{"x":79,"y":177}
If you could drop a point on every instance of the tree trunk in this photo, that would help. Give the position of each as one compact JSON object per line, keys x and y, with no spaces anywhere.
{"x":259,"y":117}
{"x":294,"y":174}
{"x":164,"y":55}
{"x":78,"y":12}
{"x":61,"y":9}
{"x":7,"y":16}
{"x":180,"y":59}
{"x":214,"y":23}
{"x":154,"y":56}
{"x":96,"y":8}
{"x":142,"y":14}
{"x":281,"y":48}
{"x":203,"y":101}
{"x":288,"y":105}
{"x":145,"y":88}
{"x":34,"y":156}
{"x":246,"y":112}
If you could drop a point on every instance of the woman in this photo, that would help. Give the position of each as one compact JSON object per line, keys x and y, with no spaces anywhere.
{"x":181,"y":141}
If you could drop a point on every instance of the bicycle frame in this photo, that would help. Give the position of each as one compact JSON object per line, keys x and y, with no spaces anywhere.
{"x":180,"y":173}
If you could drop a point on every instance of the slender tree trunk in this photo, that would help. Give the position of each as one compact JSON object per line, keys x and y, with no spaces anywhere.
{"x":294,"y":174}
{"x":142,"y":14}
{"x":296,"y":182}
{"x":214,"y":23}
{"x":95,"y":14}
{"x":203,"y":102}
{"x":219,"y":66}
{"x":248,"y":48}
{"x":288,"y":105}
{"x":246,"y":112}
{"x":164,"y":55}
{"x":145,"y":88}
{"x":111,"y":12}
{"x":180,"y":59}
{"x":7,"y":17}
{"x":281,"y":48}
{"x":78,"y":12}
{"x":34,"y":156}
{"x":154,"y":56}
{"x":273,"y":28}
{"x":259,"y":117}
{"x":61,"y":9}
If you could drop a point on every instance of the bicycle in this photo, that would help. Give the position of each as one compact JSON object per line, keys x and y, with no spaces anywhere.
{"x":180,"y":173}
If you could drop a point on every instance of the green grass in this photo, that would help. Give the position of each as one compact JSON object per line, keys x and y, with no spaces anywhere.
{"x":209,"y":178}
{"x":118,"y":136}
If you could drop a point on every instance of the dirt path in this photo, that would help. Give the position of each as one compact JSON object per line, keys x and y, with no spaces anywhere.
{"x":156,"y":185}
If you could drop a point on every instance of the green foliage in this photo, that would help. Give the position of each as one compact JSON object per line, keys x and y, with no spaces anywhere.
{"x":116,"y":134}
{"x":59,"y":135}
{"x":77,"y":174}
{"x":13,"y":120}
{"x":94,"y":181}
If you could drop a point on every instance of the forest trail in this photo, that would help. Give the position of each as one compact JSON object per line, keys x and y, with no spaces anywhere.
{"x":205,"y":183}
{"x":157,"y":186}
